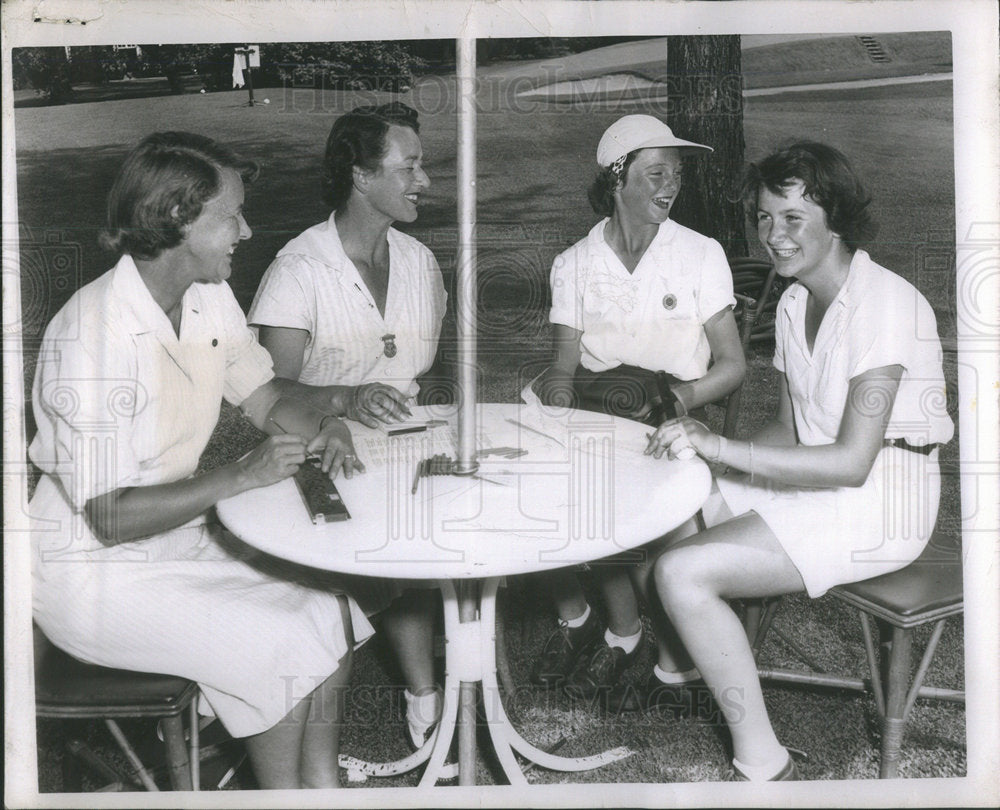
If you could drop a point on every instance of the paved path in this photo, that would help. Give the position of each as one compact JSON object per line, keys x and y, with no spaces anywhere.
{"x":622,"y":72}
{"x":620,"y":58}
{"x":799,"y":88}
{"x":624,"y":86}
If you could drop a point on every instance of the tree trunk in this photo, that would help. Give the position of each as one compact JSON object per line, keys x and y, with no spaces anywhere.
{"x":706,"y":106}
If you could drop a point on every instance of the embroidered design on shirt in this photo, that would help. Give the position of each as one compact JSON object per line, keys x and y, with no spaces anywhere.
{"x":618,"y":292}
{"x":390,"y":346}
{"x":669,"y":301}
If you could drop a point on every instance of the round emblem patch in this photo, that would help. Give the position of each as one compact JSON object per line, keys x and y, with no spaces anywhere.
{"x":669,"y":301}
{"x":389,"y":347}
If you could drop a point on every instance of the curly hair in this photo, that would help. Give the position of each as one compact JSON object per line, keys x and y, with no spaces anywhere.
{"x":601,"y":193}
{"x":358,"y":139}
{"x":829,"y":181}
{"x":161,"y":188}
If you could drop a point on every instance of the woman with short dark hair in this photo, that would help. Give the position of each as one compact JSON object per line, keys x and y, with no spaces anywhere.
{"x":358,"y":140}
{"x":356,"y":306}
{"x":128,"y":570}
{"x":843,"y":483}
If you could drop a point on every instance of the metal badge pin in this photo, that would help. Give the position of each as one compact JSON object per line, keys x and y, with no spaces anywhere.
{"x":669,"y":301}
{"x":390,"y":345}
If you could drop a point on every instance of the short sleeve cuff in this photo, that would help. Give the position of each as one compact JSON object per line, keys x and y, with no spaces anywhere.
{"x":280,"y":300}
{"x":716,"y":291}
{"x":565,"y":318}
{"x":250,"y":370}
{"x":94,"y":464}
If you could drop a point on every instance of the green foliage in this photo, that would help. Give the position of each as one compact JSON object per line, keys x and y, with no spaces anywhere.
{"x":46,"y":70}
{"x":330,"y":65}
{"x":340,"y":65}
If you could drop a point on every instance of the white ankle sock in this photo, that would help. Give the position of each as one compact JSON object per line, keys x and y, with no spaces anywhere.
{"x":422,"y":712}
{"x":762,"y":773}
{"x":665,"y":676}
{"x":580,"y":620}
{"x":627,"y":643}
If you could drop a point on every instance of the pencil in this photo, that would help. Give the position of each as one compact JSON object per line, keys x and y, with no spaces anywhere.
{"x":399,"y":431}
{"x":416,"y":477}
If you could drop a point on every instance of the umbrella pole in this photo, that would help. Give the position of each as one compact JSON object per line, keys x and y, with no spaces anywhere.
{"x":466,"y":280}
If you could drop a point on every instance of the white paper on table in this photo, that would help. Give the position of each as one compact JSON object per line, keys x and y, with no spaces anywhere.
{"x":376,"y":448}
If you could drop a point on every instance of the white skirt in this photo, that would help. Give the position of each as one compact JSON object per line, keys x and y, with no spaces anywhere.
{"x":836,"y":535}
{"x":189,"y":603}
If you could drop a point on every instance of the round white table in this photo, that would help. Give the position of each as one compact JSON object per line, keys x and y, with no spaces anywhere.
{"x":554,"y":488}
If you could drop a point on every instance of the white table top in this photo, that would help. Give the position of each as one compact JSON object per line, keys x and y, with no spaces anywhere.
{"x":586,"y":493}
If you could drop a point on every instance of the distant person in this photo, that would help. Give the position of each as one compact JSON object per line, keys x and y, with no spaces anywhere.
{"x":644,"y":329}
{"x":354,"y":304}
{"x":843,"y":483}
{"x":128,"y":570}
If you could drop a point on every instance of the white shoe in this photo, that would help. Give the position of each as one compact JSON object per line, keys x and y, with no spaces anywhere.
{"x":422,"y":714}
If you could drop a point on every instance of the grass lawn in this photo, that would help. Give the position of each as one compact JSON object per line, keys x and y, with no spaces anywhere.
{"x":535,"y":162}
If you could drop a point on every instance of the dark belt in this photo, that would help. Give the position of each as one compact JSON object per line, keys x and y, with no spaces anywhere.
{"x":902,"y":444}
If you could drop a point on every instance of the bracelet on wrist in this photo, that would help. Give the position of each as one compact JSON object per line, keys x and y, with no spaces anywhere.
{"x":722,"y":449}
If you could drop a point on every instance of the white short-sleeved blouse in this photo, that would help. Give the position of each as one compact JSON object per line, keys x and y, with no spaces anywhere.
{"x":314,"y":286}
{"x":121,"y":400}
{"x":877,"y":319}
{"x":836,"y":535}
{"x":653,"y":317}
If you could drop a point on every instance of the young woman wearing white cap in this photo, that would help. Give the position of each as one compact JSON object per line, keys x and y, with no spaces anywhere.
{"x":843,"y":483}
{"x":642,"y":312}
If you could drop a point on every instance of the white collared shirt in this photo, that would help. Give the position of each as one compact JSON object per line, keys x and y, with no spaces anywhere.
{"x":120,"y":399}
{"x":877,"y":319}
{"x":653,"y":317}
{"x":313,"y":285}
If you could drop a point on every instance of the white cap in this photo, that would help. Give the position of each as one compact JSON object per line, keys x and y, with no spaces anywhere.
{"x":638,"y":132}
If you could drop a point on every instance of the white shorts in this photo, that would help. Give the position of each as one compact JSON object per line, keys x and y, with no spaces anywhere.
{"x":836,"y":535}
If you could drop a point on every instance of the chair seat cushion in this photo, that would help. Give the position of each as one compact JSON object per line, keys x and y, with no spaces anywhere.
{"x":66,"y":687}
{"x":928,"y":588}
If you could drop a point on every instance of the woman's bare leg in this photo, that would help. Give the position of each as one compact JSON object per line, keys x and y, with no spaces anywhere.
{"x":275,"y":754}
{"x":671,"y":655}
{"x":301,"y":749}
{"x":408,"y":624}
{"x":740,"y":558}
{"x":565,"y":591}
{"x":321,"y":740}
{"x":619,"y":597}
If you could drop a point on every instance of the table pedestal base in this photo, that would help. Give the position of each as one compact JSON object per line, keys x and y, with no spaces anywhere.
{"x":470,"y":660}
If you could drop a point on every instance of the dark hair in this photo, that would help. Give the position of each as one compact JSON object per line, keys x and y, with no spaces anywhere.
{"x":358,"y":139}
{"x":829,"y":181}
{"x":602,"y":191}
{"x":166,"y":171}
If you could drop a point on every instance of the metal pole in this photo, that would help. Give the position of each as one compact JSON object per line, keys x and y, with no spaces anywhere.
{"x":466,"y":282}
{"x":468,"y":691}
